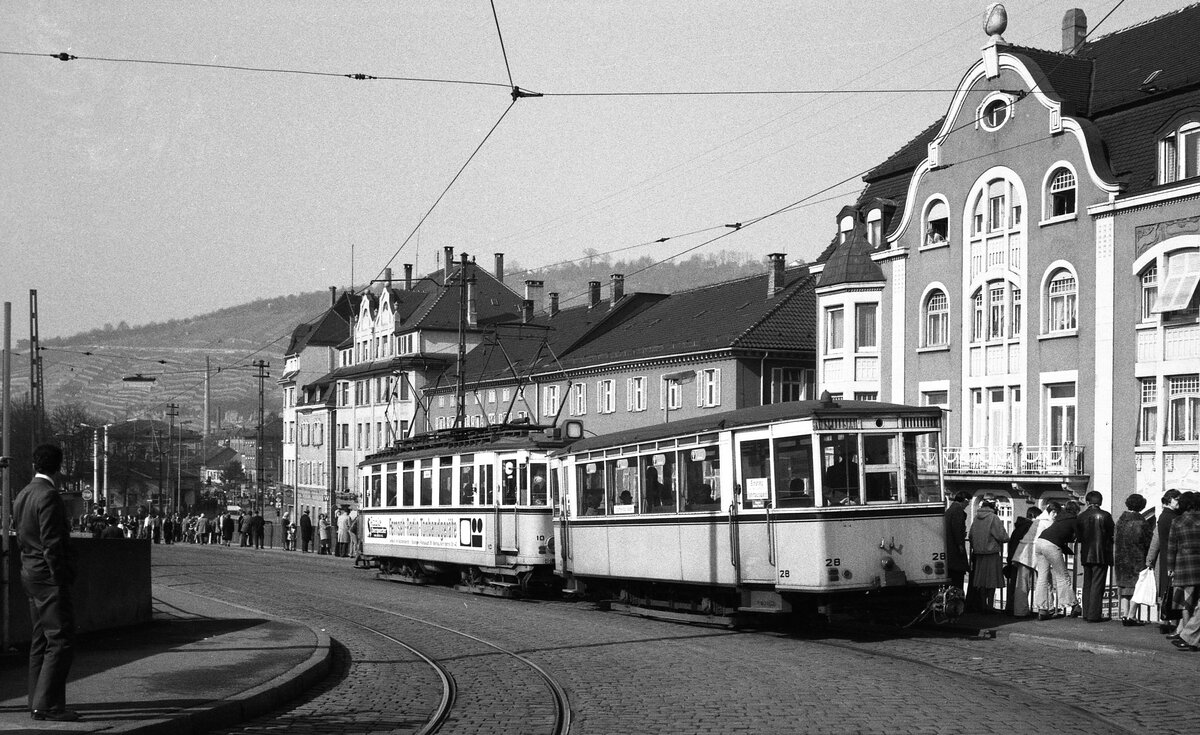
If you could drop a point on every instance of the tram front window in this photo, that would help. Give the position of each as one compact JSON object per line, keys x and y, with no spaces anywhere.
{"x":882,"y":468}
{"x":407,"y":487}
{"x":391,"y":486}
{"x":426,"y":483}
{"x":508,"y":483}
{"x":445,"y":482}
{"x":538,"y":491}
{"x":794,"y":484}
{"x":839,"y":476}
{"x":756,"y":472}
{"x":466,"y":480}
{"x":921,"y":469}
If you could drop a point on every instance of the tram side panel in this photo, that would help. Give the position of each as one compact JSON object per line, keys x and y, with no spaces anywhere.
{"x":848,"y":553}
{"x":467,"y":537}
{"x":692,"y":551}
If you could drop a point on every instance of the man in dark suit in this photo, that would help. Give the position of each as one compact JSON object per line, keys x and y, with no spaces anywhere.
{"x":1094,"y":528}
{"x":256,"y":529}
{"x":954,"y":522}
{"x":306,"y":529}
{"x":47,"y":570}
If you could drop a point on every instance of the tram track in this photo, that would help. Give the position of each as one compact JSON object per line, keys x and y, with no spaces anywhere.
{"x":442,"y":715}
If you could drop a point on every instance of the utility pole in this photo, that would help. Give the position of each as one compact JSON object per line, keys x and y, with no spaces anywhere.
{"x":6,"y":540}
{"x":460,"y":382}
{"x":172,"y":412}
{"x":258,"y":444}
{"x":36,"y":395}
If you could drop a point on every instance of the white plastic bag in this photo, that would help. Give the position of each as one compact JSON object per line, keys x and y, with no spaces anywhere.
{"x":1145,"y":592}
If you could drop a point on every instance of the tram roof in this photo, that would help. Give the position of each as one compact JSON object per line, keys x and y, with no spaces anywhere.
{"x":749,"y":417}
{"x":466,"y":441}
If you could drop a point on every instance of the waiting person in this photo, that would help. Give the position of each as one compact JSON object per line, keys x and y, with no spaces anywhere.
{"x":111,"y":530}
{"x":987,"y":541}
{"x":1021,"y":561}
{"x":1094,"y":527}
{"x":47,"y":571}
{"x":1183,"y":563}
{"x":343,"y":533}
{"x":256,"y":529}
{"x":1132,"y":542}
{"x":954,"y":524}
{"x":227,"y":526}
{"x":323,"y":532}
{"x":1158,"y":543}
{"x":306,"y":532}
{"x":1050,"y":553}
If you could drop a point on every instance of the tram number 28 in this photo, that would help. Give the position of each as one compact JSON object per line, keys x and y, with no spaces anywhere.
{"x":833,"y":561}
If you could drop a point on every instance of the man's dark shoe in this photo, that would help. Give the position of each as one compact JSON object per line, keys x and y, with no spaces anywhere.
{"x":55,"y":715}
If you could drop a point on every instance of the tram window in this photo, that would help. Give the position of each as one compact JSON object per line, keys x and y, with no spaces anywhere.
{"x":659,"y":483}
{"x":390,"y":500}
{"x":555,"y":489}
{"x":486,"y":488}
{"x":466,"y":480}
{"x":623,"y":485}
{"x":508,"y":483}
{"x":426,"y":481}
{"x":881,"y":465}
{"x":921,"y":469}
{"x":701,"y":478}
{"x":406,"y":486}
{"x":445,"y":482}
{"x":591,"y":489}
{"x":839,"y":474}
{"x":794,"y":486}
{"x":538,"y":492}
{"x":522,"y":484}
{"x":376,"y":485}
{"x":756,"y":473}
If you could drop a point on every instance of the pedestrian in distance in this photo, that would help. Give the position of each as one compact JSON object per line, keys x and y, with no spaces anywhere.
{"x":243,"y":528}
{"x":257,"y":524}
{"x":111,"y":530}
{"x":1167,"y":614}
{"x":954,"y":523}
{"x":987,"y":541}
{"x":1183,"y":563}
{"x":306,"y":532}
{"x":343,"y":533}
{"x":1131,"y":542}
{"x":1095,"y":530}
{"x":323,"y":531}
{"x":227,"y":526}
{"x":47,"y":571}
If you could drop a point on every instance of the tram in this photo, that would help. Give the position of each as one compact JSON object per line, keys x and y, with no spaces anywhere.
{"x":469,"y":506}
{"x":769,"y":509}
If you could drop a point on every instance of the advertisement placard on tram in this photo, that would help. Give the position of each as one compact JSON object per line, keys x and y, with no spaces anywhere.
{"x":429,"y":531}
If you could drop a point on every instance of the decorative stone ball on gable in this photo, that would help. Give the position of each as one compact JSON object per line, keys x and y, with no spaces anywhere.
{"x":995,"y":21}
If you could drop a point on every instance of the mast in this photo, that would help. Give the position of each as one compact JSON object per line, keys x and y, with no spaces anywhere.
{"x":460,"y":382}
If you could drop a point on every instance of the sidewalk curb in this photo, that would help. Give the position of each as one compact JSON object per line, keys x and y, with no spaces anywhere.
{"x":245,"y":705}
{"x":1065,"y":643}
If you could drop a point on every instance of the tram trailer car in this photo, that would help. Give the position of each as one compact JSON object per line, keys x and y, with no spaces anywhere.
{"x":468,"y":506}
{"x":778,"y":508}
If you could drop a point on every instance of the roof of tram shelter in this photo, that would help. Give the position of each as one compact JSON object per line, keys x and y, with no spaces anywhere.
{"x":537,"y":346}
{"x":752,"y":416}
{"x":1102,"y":82}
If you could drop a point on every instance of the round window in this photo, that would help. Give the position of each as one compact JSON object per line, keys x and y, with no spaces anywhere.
{"x":995,"y":114}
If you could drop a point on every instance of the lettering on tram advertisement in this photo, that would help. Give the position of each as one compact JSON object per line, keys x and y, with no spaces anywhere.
{"x":428,"y":531}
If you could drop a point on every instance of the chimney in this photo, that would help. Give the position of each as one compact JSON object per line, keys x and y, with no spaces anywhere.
{"x":408,"y":276}
{"x":526,"y":311}
{"x":332,"y":295}
{"x":500,"y":267}
{"x":449,"y":251}
{"x":593,"y":294}
{"x":1074,"y":30}
{"x":618,"y":288}
{"x":472,"y":306}
{"x":533,"y":291}
{"x":775,"y":279}
{"x":553,"y":309}
{"x":387,"y":277}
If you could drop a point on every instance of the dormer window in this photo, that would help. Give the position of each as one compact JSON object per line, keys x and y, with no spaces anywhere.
{"x":845,"y":225}
{"x":875,"y":227}
{"x":1179,"y":154}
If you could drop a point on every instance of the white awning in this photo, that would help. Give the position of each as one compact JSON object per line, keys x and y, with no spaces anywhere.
{"x":1183,"y":274}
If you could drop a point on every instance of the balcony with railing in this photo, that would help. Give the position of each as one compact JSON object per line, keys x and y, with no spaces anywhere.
{"x":1017,"y":460}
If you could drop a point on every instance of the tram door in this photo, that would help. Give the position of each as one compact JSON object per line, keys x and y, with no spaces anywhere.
{"x":752,"y":535}
{"x":506,"y":503}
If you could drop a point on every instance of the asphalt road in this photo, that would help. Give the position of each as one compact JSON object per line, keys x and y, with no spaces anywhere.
{"x":419,"y":659}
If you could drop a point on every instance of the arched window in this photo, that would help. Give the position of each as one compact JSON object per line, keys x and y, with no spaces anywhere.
{"x":937,"y":319}
{"x":1061,"y":302}
{"x":937,"y":222}
{"x":1060,"y":193}
{"x":1179,"y":154}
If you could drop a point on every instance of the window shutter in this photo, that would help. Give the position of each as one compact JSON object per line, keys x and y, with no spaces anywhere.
{"x":629,"y":405}
{"x":700,"y":376}
{"x":716,"y":377}
{"x":663,"y":386}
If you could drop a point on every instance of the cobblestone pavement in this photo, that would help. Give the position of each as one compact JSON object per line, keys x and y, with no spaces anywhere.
{"x":625,"y":674}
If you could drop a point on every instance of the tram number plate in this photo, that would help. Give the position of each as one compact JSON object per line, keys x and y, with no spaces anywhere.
{"x":833,"y":561}
{"x":939,"y":556}
{"x":785,"y":573}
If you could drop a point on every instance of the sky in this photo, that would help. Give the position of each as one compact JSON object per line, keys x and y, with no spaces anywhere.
{"x":143,"y":192}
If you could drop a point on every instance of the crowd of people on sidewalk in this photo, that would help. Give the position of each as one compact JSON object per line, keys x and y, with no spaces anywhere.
{"x":338,"y":536}
{"x":1162,"y":555}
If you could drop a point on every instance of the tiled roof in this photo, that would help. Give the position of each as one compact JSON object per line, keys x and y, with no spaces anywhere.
{"x":330,"y":329}
{"x":851,"y":261}
{"x":494,"y":300}
{"x":726,"y":315}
